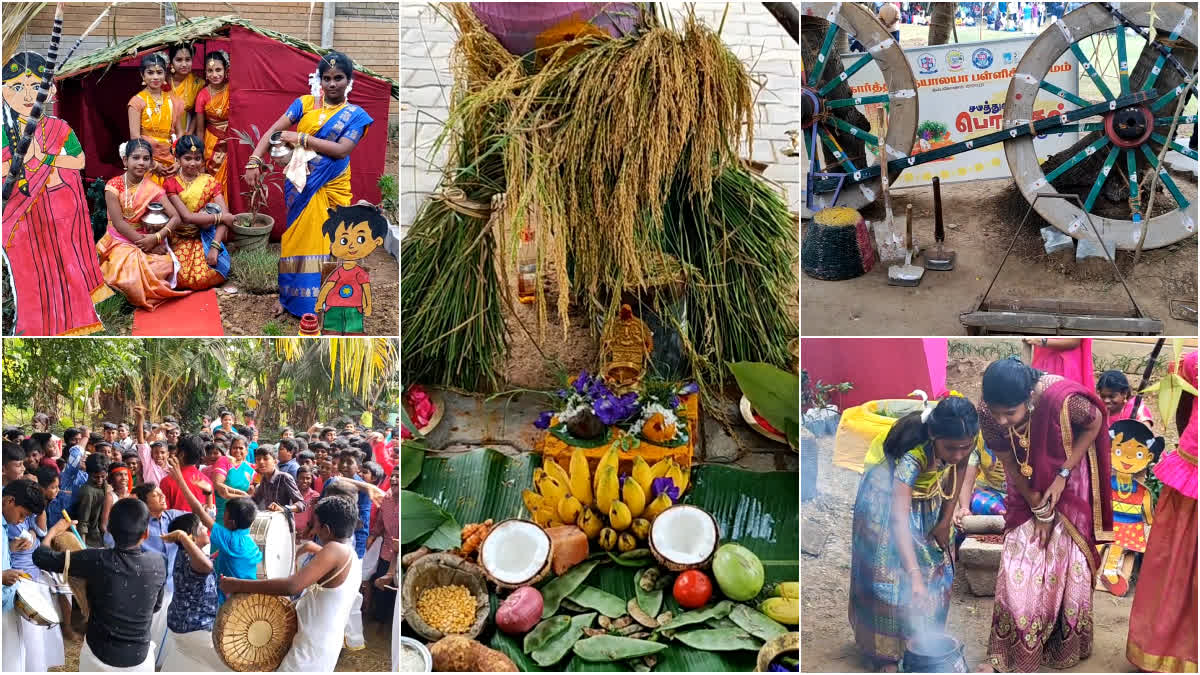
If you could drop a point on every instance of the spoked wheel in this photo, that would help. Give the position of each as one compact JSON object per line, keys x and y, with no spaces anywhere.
{"x":1129,"y":138}
{"x":826,"y":99}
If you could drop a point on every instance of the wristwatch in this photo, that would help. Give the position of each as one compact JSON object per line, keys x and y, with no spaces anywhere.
{"x":1064,"y":472}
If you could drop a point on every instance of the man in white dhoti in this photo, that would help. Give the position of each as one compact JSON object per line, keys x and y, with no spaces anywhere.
{"x":22,"y":499}
{"x":193,"y":610}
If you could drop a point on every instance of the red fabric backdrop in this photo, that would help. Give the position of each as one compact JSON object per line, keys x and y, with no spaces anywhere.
{"x":877,"y":367}
{"x":265,"y":77}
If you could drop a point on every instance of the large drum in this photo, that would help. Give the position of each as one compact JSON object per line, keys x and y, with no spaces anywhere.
{"x":277,"y":540}
{"x":34,"y":604}
{"x":253,"y":632}
{"x":67,"y":541}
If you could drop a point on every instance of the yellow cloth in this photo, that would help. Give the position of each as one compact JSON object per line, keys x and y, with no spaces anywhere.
{"x":216,"y":128}
{"x":927,"y":482}
{"x":991,"y":471}
{"x":304,"y":237}
{"x":187,"y":90}
{"x":158,"y":125}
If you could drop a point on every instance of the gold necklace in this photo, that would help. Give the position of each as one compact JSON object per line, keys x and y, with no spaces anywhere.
{"x":1022,"y":441}
{"x":953,"y":473}
{"x":130,"y":191}
{"x":325,"y":110}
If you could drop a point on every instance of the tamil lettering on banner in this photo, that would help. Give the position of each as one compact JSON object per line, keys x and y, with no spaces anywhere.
{"x":961,"y":90}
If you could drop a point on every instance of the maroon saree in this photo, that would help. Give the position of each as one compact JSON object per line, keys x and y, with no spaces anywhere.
{"x":48,"y":241}
{"x":1087,"y":509}
{"x":1043,"y":610}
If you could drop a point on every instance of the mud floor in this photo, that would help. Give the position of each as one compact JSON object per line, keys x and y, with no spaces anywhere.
{"x":825,"y":634}
{"x":245,"y":313}
{"x":981,"y":217}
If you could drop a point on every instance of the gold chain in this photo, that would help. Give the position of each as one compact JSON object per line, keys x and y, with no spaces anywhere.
{"x":130,"y":190}
{"x":1021,"y":441}
{"x":953,"y":473}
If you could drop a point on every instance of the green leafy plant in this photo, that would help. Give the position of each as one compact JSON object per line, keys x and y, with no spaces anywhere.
{"x":421,"y":520}
{"x":272,"y":328}
{"x":272,"y":178}
{"x":931,"y":130}
{"x":774,"y":393}
{"x":817,"y":394}
{"x":389,"y":200}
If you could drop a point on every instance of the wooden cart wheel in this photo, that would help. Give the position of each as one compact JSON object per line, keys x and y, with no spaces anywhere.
{"x":1133,"y":135}
{"x":819,"y":103}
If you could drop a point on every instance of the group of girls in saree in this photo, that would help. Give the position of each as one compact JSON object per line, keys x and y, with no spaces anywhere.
{"x":179,"y":127}
{"x":328,"y":128}
{"x":1043,"y":439}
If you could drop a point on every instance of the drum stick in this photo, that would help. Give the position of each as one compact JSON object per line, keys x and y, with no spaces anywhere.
{"x":68,"y":517}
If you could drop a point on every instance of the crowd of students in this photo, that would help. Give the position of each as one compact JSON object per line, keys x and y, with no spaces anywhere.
{"x":166,"y":516}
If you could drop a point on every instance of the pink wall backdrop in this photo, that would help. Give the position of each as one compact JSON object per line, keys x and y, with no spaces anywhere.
{"x":877,"y":367}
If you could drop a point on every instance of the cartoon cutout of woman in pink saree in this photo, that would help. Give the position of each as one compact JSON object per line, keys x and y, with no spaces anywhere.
{"x":47,"y":233}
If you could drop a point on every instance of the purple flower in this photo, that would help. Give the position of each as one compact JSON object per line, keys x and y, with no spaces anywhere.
{"x":621,"y":480}
{"x":611,"y":410}
{"x":543,"y":420}
{"x":563,"y":394}
{"x":661,"y":485}
{"x":689,"y":388}
{"x":674,"y":403}
{"x":581,"y":382}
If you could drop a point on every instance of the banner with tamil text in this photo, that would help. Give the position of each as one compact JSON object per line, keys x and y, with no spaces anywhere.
{"x":961,"y":90}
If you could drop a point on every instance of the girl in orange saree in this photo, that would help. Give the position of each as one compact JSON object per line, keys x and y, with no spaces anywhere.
{"x":212,"y":117}
{"x":183,"y":82}
{"x":128,"y":255}
{"x":157,"y":116}
{"x":203,"y":259}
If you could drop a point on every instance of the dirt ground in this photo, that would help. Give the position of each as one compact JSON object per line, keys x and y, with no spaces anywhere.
{"x":375,"y":657}
{"x":981,"y":217}
{"x":826,"y":639}
{"x":245,"y":313}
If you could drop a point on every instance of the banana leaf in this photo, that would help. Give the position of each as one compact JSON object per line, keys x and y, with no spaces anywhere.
{"x":755,"y":509}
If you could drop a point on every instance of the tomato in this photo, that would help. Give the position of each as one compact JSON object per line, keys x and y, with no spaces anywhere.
{"x":692,"y":589}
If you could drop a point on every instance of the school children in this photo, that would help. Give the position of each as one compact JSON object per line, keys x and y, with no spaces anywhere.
{"x":22,"y":499}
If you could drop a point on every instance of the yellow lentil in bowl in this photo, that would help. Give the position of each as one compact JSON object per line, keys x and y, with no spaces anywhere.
{"x":450,"y":609}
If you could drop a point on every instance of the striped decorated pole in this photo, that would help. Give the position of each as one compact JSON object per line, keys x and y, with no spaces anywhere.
{"x":18,"y":161}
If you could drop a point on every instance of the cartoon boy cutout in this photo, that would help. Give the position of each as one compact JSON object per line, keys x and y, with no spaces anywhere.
{"x":345,"y":296}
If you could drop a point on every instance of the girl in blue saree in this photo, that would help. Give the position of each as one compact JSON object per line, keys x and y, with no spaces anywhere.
{"x":328,"y":128}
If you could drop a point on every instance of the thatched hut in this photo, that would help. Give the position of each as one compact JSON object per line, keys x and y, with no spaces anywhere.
{"x":268,"y":71}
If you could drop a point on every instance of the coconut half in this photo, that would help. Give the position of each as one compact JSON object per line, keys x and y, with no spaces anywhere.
{"x":684,"y":537}
{"x":515,"y":553}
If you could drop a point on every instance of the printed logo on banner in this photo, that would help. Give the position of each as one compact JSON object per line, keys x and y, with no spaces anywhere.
{"x":955,"y":59}
{"x":1008,"y":58}
{"x":928,"y":64}
{"x":982,"y":58}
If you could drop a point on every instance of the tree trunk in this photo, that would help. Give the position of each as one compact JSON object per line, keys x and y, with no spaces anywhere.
{"x":1079,"y":178}
{"x":941,"y":22}
{"x":268,"y":405}
{"x":812,"y":34}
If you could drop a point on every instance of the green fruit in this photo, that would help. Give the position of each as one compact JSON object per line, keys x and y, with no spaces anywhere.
{"x":738,"y":571}
{"x":608,"y":538}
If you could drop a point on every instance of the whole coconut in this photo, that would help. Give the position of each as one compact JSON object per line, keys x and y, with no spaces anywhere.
{"x":520,"y":612}
{"x":738,"y":571}
{"x":585,"y":425}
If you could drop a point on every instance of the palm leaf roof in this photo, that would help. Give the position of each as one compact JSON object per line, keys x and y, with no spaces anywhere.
{"x":190,"y":30}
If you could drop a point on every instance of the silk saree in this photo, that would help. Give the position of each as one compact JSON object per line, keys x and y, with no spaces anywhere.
{"x":194,"y":271}
{"x":323,"y":184}
{"x":145,"y":279}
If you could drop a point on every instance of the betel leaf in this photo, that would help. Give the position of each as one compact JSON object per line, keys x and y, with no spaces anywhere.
{"x":419,"y":516}
{"x":448,"y":535}
{"x":774,"y":393}
{"x":412,"y":458}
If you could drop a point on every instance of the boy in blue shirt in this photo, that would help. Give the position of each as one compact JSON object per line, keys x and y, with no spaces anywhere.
{"x":234,"y":552}
{"x":22,"y":500}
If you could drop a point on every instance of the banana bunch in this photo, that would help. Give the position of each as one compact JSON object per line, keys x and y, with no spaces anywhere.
{"x":785,"y":607}
{"x":617,"y":516}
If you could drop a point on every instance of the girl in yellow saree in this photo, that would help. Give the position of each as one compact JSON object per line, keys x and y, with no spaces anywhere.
{"x":328,"y":128}
{"x":203,"y":259}
{"x":157,"y":116}
{"x":129,"y":257}
{"x":183,"y":82}
{"x":212,"y":117}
